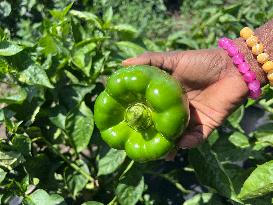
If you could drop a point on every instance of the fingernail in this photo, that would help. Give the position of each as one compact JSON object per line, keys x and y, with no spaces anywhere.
{"x":184,"y":147}
{"x":127,"y":61}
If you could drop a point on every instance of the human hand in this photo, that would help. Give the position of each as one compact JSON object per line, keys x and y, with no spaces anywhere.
{"x":213,"y":86}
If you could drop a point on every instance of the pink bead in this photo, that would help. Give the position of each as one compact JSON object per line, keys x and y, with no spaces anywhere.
{"x":238,"y":59}
{"x":255,"y":94}
{"x":249,"y":76}
{"x":254,"y":85}
{"x":232,"y":50}
{"x":243,"y":67}
{"x":224,"y":42}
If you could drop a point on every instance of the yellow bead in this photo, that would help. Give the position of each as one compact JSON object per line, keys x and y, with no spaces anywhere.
{"x":268,"y":66}
{"x":270,"y":76}
{"x":257,"y":49}
{"x":251,"y":41}
{"x":246,"y":32}
{"x":262,"y":58}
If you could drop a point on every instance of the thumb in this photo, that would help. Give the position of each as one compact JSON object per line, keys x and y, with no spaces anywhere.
{"x":163,"y":60}
{"x":194,"y":137}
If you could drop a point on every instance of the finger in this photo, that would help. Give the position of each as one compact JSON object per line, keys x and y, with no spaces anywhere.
{"x":194,"y":137}
{"x":171,"y":155}
{"x":164,"y":60}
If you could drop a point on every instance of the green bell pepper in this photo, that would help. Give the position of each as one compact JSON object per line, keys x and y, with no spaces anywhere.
{"x":142,"y":110}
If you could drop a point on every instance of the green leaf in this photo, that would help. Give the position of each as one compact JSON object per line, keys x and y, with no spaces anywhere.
{"x":227,"y":151}
{"x":130,"y":188}
{"x":10,"y":159}
{"x":35,"y":75}
{"x":236,"y":117}
{"x":211,"y":172}
{"x":187,"y":42}
{"x":2,"y":175}
{"x":88,"y":16}
{"x":57,"y":116}
{"x":8,"y":48}
{"x":22,"y":144}
{"x":12,"y":93}
{"x":126,"y":28}
{"x":41,"y":197}
{"x":204,"y":199}
{"x":74,"y":180}
{"x":129,"y":49}
{"x":5,"y":9}
{"x":60,"y":14}
{"x":79,"y":125}
{"x":150,"y":45}
{"x":107,"y":17}
{"x":239,"y":140}
{"x":72,"y":95}
{"x":92,"y":203}
{"x":82,"y":58}
{"x":111,"y":161}
{"x":259,"y":183}
{"x":264,"y":133}
{"x":48,"y":45}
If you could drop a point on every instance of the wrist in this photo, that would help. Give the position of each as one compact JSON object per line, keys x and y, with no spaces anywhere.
{"x":230,"y":70}
{"x":252,"y":61}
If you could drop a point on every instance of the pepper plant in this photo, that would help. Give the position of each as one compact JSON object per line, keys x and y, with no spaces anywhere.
{"x":55,"y":59}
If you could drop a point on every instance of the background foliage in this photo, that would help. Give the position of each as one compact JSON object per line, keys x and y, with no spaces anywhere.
{"x":54,"y":58}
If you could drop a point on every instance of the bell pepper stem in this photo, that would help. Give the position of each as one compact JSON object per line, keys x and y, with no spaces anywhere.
{"x":138,"y":116}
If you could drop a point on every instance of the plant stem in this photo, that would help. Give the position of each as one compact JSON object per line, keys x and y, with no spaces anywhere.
{"x":71,"y":164}
{"x":113,"y":201}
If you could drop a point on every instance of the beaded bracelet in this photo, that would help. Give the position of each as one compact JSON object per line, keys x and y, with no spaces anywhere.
{"x":258,"y":50}
{"x":244,"y":68}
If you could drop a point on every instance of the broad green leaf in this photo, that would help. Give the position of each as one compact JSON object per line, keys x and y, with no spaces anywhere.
{"x":74,"y":180}
{"x":72,"y":95}
{"x":237,"y":175}
{"x":10,"y":159}
{"x":130,"y":188}
{"x":227,"y":151}
{"x":111,"y":161}
{"x":127,"y":28}
{"x":213,"y":137}
{"x":264,"y":133}
{"x":150,"y":45}
{"x":4,"y":66}
{"x":107,"y":17}
{"x":8,"y":48}
{"x":35,"y":75}
{"x":88,"y":16}
{"x":79,"y":125}
{"x":204,"y":199}
{"x":129,"y":49}
{"x":12,"y":93}
{"x":259,"y":183}
{"x":211,"y":172}
{"x":99,"y":64}
{"x":48,"y":45}
{"x":236,"y":117}
{"x":5,"y":9}
{"x":2,"y":175}
{"x":22,"y":144}
{"x":41,"y":197}
{"x":187,"y":42}
{"x":92,"y":203}
{"x":59,"y":14}
{"x":239,"y":140}
{"x":57,"y":116}
{"x":82,"y":58}
{"x":227,"y":18}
